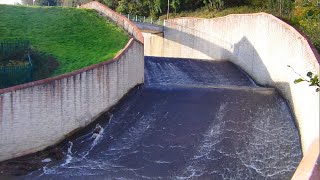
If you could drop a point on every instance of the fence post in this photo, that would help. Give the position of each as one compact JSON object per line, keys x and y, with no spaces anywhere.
{"x":136,"y":18}
{"x":151,"y":21}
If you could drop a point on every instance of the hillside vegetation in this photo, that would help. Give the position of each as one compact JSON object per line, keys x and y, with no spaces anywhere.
{"x":75,"y":38}
{"x":302,"y":14}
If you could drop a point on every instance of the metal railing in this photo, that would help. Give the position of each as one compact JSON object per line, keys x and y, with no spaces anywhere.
{"x":143,"y":19}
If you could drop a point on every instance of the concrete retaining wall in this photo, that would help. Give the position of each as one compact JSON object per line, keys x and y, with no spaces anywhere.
{"x":39,"y":114}
{"x":260,"y":44}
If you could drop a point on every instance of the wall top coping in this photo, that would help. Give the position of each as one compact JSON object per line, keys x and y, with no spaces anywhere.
{"x":300,"y":35}
{"x":73,"y":73}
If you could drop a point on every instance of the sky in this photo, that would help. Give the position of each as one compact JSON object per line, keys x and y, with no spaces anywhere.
{"x":9,"y":1}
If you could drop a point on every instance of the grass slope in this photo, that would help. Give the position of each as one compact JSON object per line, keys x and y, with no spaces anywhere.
{"x":75,"y":37}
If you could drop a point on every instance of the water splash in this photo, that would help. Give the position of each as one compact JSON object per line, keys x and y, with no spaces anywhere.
{"x":69,"y":154}
{"x":96,"y":136}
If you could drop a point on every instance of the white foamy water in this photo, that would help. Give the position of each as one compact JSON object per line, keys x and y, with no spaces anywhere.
{"x":96,"y":136}
{"x":69,"y":154}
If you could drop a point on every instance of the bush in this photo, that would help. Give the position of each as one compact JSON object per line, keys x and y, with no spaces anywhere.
{"x":307,"y":19}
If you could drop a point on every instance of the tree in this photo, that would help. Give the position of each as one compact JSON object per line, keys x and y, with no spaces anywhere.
{"x":305,"y":3}
{"x":70,"y":3}
{"x":45,"y":2}
{"x":154,"y":7}
{"x":27,"y":2}
{"x":214,"y":4}
{"x":175,"y":4}
{"x":283,"y":7}
{"x":122,"y":6}
{"x":110,"y":3}
{"x":258,"y":3}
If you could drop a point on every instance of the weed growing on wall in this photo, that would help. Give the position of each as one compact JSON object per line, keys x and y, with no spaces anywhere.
{"x":312,"y":79}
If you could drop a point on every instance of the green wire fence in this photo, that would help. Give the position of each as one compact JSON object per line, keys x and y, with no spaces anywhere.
{"x":143,"y":19}
{"x":15,"y":63}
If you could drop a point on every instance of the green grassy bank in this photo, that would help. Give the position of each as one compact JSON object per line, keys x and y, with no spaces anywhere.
{"x":76,"y":38}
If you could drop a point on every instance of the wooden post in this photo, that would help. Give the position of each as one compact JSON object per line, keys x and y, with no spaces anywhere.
{"x":280,"y":8}
{"x":168,"y":10}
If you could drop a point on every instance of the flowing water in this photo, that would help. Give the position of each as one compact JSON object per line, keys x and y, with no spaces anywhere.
{"x":191,"y":120}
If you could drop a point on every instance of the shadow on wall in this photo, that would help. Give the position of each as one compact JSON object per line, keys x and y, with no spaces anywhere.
{"x":192,"y":45}
{"x":252,"y":65}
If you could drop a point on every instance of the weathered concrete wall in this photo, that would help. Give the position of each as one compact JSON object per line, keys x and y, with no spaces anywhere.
{"x":39,"y":114}
{"x":260,"y":44}
{"x":154,"y":45}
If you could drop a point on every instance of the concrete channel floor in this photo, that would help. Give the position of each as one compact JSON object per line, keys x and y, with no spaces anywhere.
{"x":191,"y":120}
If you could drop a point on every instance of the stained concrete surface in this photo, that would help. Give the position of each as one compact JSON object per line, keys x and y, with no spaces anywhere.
{"x":191,"y":120}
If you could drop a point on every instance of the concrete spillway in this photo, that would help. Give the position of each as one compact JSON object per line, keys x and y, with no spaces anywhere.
{"x":191,"y":120}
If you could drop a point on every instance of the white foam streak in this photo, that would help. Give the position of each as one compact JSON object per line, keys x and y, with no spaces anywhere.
{"x":69,"y":154}
{"x":97,"y":136}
